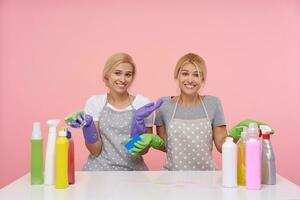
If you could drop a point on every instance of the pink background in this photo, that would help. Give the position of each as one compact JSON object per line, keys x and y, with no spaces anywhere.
{"x":52,"y":53}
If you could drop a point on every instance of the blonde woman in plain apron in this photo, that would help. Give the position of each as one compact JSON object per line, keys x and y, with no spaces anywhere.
{"x":190,"y":123}
{"x":107,"y":119}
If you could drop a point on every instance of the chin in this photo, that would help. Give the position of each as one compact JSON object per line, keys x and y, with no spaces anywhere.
{"x":189,"y":92}
{"x":120,"y":91}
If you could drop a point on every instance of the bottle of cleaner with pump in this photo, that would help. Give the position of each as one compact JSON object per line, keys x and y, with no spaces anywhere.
{"x":253,"y":158}
{"x":50,"y":152}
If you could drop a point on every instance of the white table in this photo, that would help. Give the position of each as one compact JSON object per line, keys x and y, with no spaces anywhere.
{"x":148,"y":185}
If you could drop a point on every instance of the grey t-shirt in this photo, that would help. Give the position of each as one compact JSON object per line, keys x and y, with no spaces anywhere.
{"x":212,"y":104}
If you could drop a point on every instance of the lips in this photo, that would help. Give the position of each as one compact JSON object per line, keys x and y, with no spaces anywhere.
{"x":190,"y":86}
{"x":121,"y":85}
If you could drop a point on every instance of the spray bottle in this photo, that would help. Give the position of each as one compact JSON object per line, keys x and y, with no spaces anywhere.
{"x":241,"y":167}
{"x":50,"y":152}
{"x":62,"y":145}
{"x":229,"y":168}
{"x":253,"y":158}
{"x":36,"y":155}
{"x":268,"y":157}
{"x":71,"y":160}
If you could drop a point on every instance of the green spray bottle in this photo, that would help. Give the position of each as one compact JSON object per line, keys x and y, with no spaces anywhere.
{"x":36,"y":155}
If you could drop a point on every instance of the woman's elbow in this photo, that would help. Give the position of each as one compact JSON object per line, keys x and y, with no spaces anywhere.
{"x":95,"y":153}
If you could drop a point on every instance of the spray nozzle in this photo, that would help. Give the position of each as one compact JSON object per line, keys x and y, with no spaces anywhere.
{"x":53,"y":124}
{"x":265,"y":129}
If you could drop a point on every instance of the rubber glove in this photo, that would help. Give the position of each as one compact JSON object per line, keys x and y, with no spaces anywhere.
{"x":236,"y":131}
{"x":84,"y":121}
{"x":148,"y":140}
{"x":138,"y":123}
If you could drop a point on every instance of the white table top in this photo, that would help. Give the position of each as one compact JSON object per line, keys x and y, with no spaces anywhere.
{"x":148,"y":185}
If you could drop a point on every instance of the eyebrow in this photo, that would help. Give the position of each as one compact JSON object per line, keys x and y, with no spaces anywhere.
{"x":184,"y":70}
{"x":117,"y":70}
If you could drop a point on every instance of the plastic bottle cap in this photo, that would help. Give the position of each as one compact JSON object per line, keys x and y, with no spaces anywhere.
{"x":253,"y":129}
{"x":62,"y":132}
{"x":244,"y":132}
{"x":36,"y":131}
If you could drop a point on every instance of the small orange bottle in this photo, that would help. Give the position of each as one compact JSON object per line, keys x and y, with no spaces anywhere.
{"x":241,"y":166}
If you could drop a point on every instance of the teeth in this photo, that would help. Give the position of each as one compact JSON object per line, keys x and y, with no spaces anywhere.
{"x":190,"y":86}
{"x":120,"y":85}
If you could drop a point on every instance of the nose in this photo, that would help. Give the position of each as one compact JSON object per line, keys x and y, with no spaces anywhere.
{"x":190,"y":79}
{"x":122,"y":78}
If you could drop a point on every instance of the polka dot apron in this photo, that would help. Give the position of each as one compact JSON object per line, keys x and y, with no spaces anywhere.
{"x":115,"y":132}
{"x":189,"y":144}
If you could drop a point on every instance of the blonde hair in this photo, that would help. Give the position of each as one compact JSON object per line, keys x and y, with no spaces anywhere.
{"x":115,"y":60}
{"x":195,"y":60}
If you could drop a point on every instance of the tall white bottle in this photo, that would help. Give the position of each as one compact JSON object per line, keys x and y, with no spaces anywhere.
{"x":50,"y":152}
{"x":229,"y":163}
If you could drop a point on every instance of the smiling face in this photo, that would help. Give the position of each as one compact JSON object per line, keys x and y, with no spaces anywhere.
{"x":120,"y":78}
{"x":189,"y":79}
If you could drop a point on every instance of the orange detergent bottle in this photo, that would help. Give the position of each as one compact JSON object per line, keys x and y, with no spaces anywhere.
{"x":241,"y":166}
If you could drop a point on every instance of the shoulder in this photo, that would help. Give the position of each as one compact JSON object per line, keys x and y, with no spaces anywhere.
{"x":96,"y":100}
{"x":167,"y":103}
{"x":212,"y":99}
{"x":212,"y":102}
{"x":166,"y":99}
{"x":140,"y":100}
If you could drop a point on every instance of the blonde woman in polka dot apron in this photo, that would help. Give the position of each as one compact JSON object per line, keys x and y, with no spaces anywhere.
{"x":190,"y":123}
{"x":106,"y":120}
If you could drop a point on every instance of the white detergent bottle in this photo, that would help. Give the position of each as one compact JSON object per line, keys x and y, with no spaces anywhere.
{"x":50,"y":152}
{"x":229,"y":163}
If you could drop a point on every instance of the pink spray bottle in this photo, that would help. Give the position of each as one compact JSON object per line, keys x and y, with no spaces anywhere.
{"x":253,"y":158}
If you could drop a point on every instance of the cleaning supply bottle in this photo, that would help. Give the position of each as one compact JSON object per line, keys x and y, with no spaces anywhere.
{"x":229,"y":165}
{"x":241,"y":167}
{"x":71,"y":160}
{"x":50,"y":152}
{"x":37,"y":177}
{"x":268,"y":157}
{"x":253,"y":158}
{"x":62,"y":149}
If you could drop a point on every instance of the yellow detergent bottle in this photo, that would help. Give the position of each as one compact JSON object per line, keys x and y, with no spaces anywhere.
{"x":62,"y":145}
{"x":241,"y":167}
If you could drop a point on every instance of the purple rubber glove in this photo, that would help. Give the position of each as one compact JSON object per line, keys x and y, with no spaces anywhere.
{"x":138,"y":123}
{"x":85,"y":121}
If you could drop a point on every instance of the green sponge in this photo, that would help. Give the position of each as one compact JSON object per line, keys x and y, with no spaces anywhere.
{"x":73,"y":116}
{"x":236,"y":131}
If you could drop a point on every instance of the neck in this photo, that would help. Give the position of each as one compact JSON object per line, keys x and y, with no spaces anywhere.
{"x":118,"y":98}
{"x":188,"y":100}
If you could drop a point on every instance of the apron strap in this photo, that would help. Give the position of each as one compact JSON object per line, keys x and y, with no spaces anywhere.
{"x":130,"y":102}
{"x":202,"y":103}
{"x":173,"y":115}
